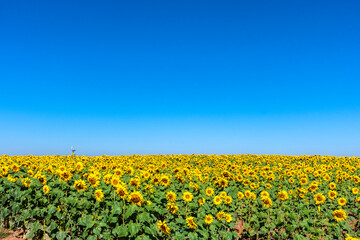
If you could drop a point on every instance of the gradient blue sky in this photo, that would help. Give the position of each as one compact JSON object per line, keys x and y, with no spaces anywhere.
{"x":163,"y":77}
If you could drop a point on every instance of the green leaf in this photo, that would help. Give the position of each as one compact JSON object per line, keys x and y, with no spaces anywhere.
{"x":229,"y":235}
{"x":134,"y":228}
{"x":116,"y":208}
{"x":91,"y":238}
{"x":53,"y":225}
{"x":144,"y":217}
{"x":130,"y":211}
{"x":61,"y":235}
{"x":86,"y":221}
{"x":304,"y":224}
{"x":121,"y":231}
{"x":142,"y":237}
{"x":193,"y":236}
{"x":298,"y":237}
{"x":149,"y":231}
{"x":254,"y":219}
{"x":263,"y":230}
{"x":97,"y":231}
{"x":113,"y":219}
{"x":51,"y":209}
{"x":180,"y":220}
{"x":284,"y":235}
{"x":204,"y":234}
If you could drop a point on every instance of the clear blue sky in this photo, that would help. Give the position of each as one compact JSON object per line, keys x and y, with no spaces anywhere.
{"x":151,"y":77}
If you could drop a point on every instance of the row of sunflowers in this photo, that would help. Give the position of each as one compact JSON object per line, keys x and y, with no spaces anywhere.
{"x":181,"y":196}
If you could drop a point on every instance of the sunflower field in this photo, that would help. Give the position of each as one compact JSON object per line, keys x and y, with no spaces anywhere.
{"x":181,"y":197}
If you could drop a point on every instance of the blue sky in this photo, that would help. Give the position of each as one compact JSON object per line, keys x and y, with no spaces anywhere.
{"x":162,"y":77}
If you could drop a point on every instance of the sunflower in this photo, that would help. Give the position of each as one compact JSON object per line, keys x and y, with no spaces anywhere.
{"x":80,"y":185}
{"x":41,"y":178}
{"x":332,"y":185}
{"x":209,"y":191}
{"x":271,"y":178}
{"x":220,"y":215}
{"x":79,"y":166}
{"x":303,"y":181}
{"x":313,"y":186}
{"x":65,"y":176}
{"x":248,"y":194}
{"x":208,"y":219}
{"x":266,"y":202}
{"x":107,"y":178}
{"x":283,"y":195}
{"x":246,"y":182}
{"x":130,"y":171}
{"x":26,"y":182}
{"x":118,"y":172}
{"x":357,"y":200}
{"x":342,"y":201}
{"x":136,"y":198}
{"x":223,"y":183}
{"x":165,"y":180}
{"x":264,"y":194}
{"x":121,"y":191}
{"x":217,"y":200}
{"x":194,"y":186}
{"x":187,"y":196}
{"x":46,"y":189}
{"x":228,"y":200}
{"x":115,"y":181}
{"x":62,"y":169}
{"x":355,"y":191}
{"x":99,"y":195}
{"x":190,"y":222}
{"x":171,"y":196}
{"x":163,"y":227}
{"x":135,"y":182}
{"x":93,"y":179}
{"x":332,"y":194}
{"x":149,"y":188}
{"x":145,"y":175}
{"x":319,"y":198}
{"x":171,"y":207}
{"x":226,"y":174}
{"x":223,"y":194}
{"x":239,"y":178}
{"x":201,"y":201}
{"x":15,"y":168}
{"x":291,"y":180}
{"x":240,"y":195}
{"x":228,"y":218}
{"x":327,"y":177}
{"x":339,"y":215}
{"x":29,"y":172}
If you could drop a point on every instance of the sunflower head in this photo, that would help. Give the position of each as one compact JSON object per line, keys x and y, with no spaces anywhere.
{"x":339,"y":215}
{"x":46,"y":189}
{"x":187,"y":196}
{"x":208,"y":219}
{"x":171,"y":196}
{"x":217,"y":200}
{"x":136,"y":198}
{"x":99,"y":195}
{"x":209,"y":191}
{"x":342,"y":201}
